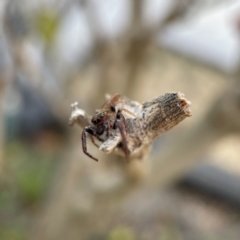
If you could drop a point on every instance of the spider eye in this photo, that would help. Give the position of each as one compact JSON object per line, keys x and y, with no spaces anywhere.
{"x":90,"y":131}
{"x":113,"y":109}
{"x":94,"y":120}
{"x":118,"y":114}
{"x":120,"y":145}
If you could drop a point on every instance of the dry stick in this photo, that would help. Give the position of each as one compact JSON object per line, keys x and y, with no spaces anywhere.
{"x":222,"y":118}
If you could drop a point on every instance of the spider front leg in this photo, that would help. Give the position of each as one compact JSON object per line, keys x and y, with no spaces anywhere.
{"x":84,"y":145}
{"x":122,"y":118}
{"x":93,"y":141}
{"x":124,"y":140}
{"x":119,"y":125}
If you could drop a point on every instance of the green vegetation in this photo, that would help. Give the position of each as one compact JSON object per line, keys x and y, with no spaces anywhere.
{"x":27,"y":172}
{"x":121,"y":233}
{"x":169,"y":234}
{"x":47,"y":23}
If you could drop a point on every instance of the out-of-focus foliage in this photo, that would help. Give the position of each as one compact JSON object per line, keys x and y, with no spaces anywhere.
{"x":31,"y":173}
{"x":47,"y":23}
{"x":27,"y":175}
{"x":12,"y":234}
{"x":170,"y":234}
{"x":121,"y":233}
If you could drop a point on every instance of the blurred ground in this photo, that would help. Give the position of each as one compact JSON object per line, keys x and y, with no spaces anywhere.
{"x":177,"y":212}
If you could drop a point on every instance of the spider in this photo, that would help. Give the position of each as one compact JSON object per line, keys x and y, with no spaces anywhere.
{"x":108,"y":119}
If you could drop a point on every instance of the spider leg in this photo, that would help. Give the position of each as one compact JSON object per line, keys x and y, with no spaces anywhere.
{"x":127,"y":111}
{"x":112,"y":100}
{"x":84,"y":146}
{"x":124,"y":140}
{"x":107,"y":129}
{"x":120,"y":115}
{"x":93,"y":141}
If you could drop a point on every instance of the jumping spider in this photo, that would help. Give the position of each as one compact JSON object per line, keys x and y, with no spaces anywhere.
{"x":108,"y":119}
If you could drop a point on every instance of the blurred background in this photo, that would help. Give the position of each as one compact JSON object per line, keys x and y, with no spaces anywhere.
{"x":55,"y":52}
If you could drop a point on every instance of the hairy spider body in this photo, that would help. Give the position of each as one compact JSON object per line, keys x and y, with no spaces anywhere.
{"x":107,"y":121}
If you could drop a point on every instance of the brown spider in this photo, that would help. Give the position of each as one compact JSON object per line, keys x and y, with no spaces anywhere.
{"x":109,"y":118}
